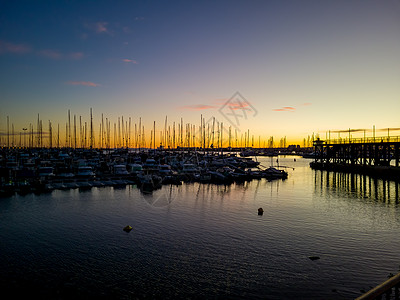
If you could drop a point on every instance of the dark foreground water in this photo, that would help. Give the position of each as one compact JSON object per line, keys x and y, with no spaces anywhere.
{"x":200,"y":241}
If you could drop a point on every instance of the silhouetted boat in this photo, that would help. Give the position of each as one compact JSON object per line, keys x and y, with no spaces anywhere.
{"x":85,"y":171}
{"x":120,"y":170}
{"x":273,"y":173}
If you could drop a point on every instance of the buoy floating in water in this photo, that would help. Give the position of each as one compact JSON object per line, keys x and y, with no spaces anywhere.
{"x":260,"y":211}
{"x":127,"y":228}
{"x":313,"y":257}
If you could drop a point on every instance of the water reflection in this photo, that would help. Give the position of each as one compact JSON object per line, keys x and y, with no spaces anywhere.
{"x":355,"y":185}
{"x":211,"y":191}
{"x":205,"y":240}
{"x":161,"y":197}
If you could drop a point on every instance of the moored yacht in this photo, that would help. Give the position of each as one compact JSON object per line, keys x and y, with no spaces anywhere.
{"x":85,"y":171}
{"x":272,"y":173}
{"x":45,"y":172}
{"x":151,"y":165}
{"x":165,"y":170}
{"x":135,"y":169}
{"x":120,"y":170}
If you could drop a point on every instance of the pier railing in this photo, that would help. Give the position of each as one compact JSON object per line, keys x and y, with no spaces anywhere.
{"x":384,"y":290}
{"x":372,"y":156}
{"x":386,"y":139}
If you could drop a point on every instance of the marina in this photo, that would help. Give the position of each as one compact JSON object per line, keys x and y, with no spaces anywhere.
{"x":43,"y":170}
{"x":200,"y":150}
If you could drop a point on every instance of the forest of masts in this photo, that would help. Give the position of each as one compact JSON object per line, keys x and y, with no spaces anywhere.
{"x":125,"y":134}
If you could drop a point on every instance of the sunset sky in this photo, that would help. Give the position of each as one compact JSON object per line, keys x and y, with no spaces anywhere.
{"x":275,"y":68}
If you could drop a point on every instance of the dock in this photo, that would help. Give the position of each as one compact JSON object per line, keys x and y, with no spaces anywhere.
{"x":376,"y":157}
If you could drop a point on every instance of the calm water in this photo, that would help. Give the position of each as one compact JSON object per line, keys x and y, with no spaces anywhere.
{"x":205,"y":241}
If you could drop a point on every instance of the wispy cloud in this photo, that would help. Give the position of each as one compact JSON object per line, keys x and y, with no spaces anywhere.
{"x":126,"y":29}
{"x":197,"y":107}
{"x":238,"y":105}
{"x":104,"y":27}
{"x":101,"y":27}
{"x":76,"y":55}
{"x":286,"y":108}
{"x":129,"y":61}
{"x":349,"y":130}
{"x":7,"y":47}
{"x":49,"y":53}
{"x":390,"y":129}
{"x":233,"y":104}
{"x":56,"y":55}
{"x":291,"y":108}
{"x":98,"y":27}
{"x":352,"y":130}
{"x":85,"y":83}
{"x":83,"y":36}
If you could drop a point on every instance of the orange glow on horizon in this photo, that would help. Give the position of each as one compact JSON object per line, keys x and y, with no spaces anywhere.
{"x":125,"y":133}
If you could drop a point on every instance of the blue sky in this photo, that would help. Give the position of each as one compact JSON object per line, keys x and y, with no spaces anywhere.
{"x":305,"y":66}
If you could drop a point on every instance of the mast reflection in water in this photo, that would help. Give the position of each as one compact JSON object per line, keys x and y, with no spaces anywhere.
{"x":356,"y":186}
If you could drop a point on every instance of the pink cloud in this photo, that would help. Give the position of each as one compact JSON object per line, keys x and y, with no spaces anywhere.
{"x":101,"y":27}
{"x":85,"y":83}
{"x":53,"y":54}
{"x":83,"y":36}
{"x":129,"y":61}
{"x":233,"y":104}
{"x":197,"y":107}
{"x":98,"y":27}
{"x":307,"y":104}
{"x":238,"y":105}
{"x":75,"y":55}
{"x":50,"y":54}
{"x":6,"y":47}
{"x":286,"y":108}
{"x":126,"y":29}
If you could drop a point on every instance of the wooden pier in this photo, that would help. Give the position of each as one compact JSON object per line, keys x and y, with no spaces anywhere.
{"x":378,"y":157}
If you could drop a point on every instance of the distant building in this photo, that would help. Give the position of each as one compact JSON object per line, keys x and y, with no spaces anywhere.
{"x":293,"y":147}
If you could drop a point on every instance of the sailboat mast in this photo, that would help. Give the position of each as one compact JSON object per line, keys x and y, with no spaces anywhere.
{"x":74,"y":131}
{"x":8,"y":132}
{"x":58,"y":135}
{"x":69,"y":129}
{"x":91,"y":129}
{"x":129,"y":134}
{"x":50,"y":135}
{"x":173,"y":136}
{"x":222,"y":146}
